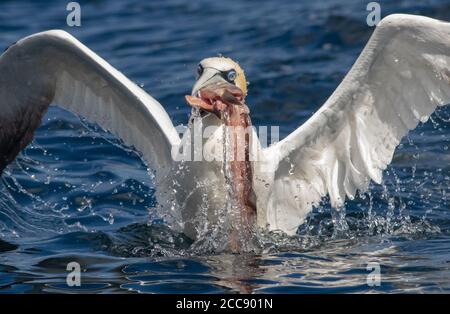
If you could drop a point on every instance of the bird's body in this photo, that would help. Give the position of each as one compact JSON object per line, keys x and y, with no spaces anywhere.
{"x":401,"y":76}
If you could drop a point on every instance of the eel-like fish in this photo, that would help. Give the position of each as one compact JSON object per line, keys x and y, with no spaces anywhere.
{"x":226,"y":101}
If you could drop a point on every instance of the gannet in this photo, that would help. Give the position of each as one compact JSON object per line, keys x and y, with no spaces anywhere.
{"x":399,"y":79}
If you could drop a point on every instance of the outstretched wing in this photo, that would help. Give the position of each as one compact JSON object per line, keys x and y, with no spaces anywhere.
{"x":55,"y":67}
{"x":399,"y":79}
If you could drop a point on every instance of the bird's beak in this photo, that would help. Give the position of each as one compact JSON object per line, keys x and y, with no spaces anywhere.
{"x":212,"y":93}
{"x":209,"y":77}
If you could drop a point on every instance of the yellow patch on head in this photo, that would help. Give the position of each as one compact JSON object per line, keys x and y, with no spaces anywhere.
{"x":226,"y":64}
{"x":240,"y":80}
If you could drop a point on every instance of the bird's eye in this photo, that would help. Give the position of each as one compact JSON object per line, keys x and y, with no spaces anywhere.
{"x":231,"y":75}
{"x":199,"y":70}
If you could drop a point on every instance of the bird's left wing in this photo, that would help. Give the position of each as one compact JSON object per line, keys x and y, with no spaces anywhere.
{"x":399,"y":79}
{"x":53,"y":66}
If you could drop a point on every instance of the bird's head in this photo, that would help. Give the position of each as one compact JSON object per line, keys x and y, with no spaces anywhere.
{"x":220,"y":81}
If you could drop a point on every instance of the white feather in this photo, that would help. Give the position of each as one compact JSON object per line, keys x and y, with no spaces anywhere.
{"x":399,"y":79}
{"x":55,"y":63}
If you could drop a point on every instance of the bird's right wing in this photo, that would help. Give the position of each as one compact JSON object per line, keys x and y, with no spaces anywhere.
{"x":53,"y":66}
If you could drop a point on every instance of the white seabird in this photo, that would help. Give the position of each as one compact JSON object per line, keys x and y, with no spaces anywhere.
{"x":399,"y":79}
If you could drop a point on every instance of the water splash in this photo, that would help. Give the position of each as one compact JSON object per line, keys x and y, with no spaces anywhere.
{"x":40,"y":196}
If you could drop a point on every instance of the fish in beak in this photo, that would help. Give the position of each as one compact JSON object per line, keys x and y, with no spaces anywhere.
{"x":213,"y":93}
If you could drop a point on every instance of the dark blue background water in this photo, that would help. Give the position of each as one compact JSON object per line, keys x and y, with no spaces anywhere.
{"x":77,"y":194}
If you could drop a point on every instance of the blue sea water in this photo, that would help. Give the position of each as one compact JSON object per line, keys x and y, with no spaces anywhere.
{"x":78,"y":194}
